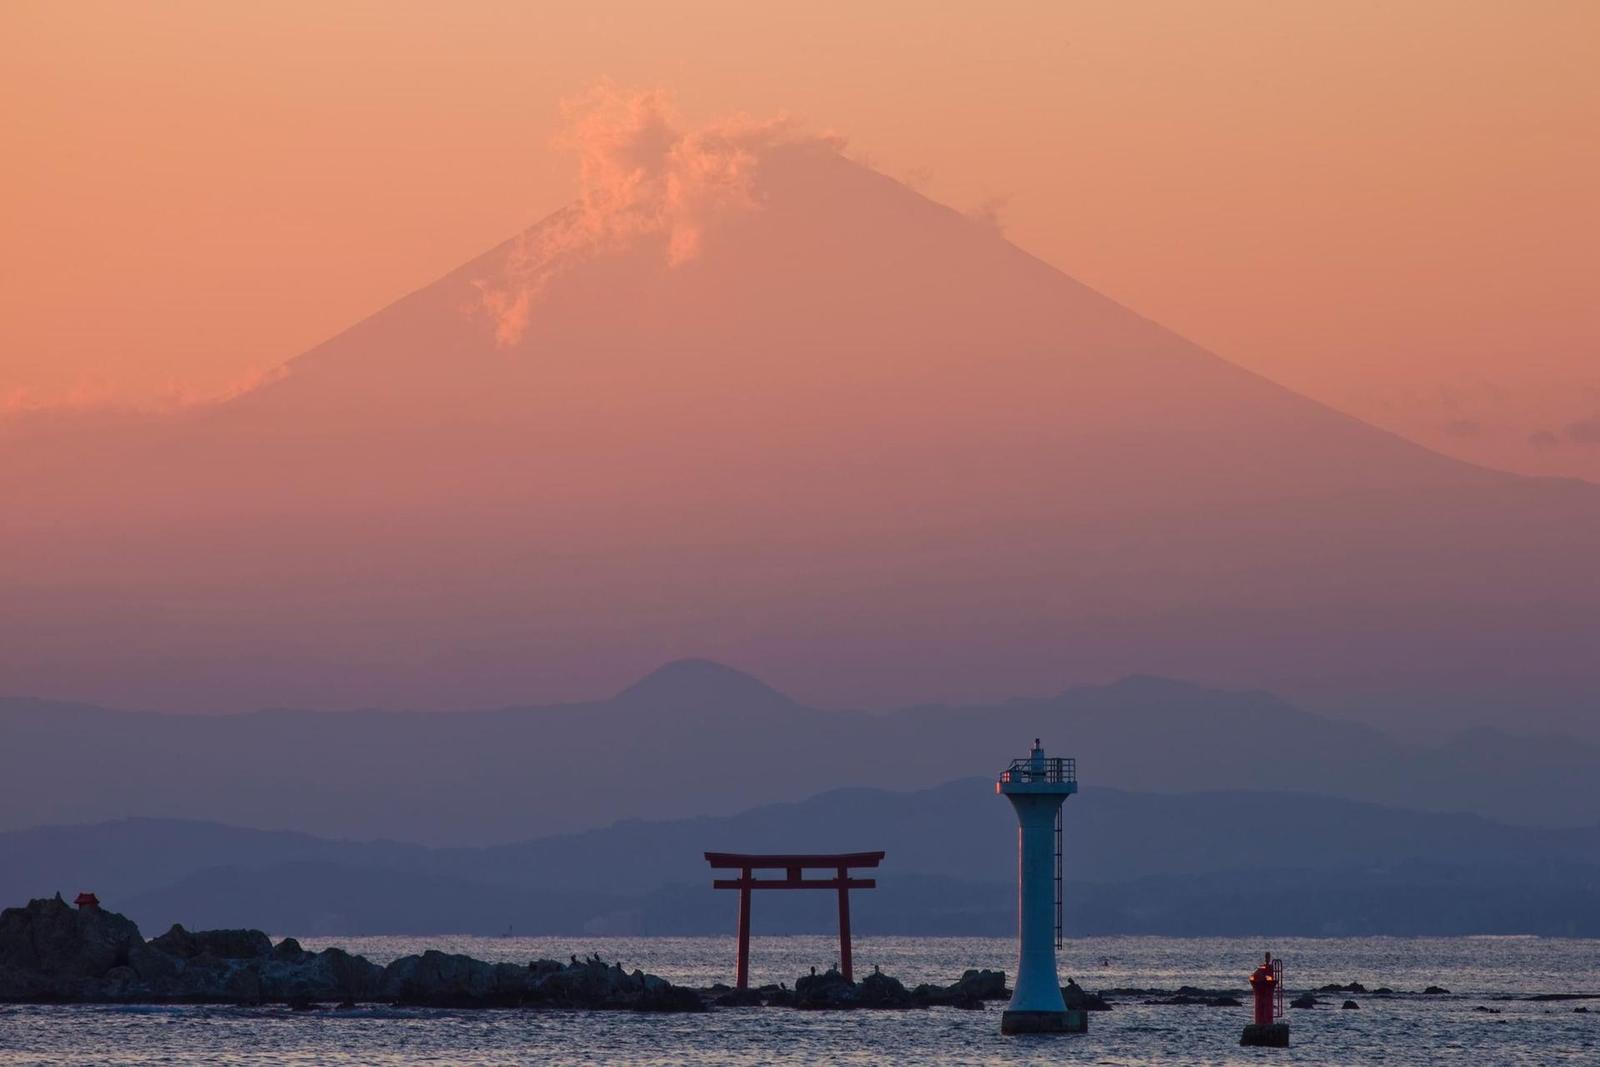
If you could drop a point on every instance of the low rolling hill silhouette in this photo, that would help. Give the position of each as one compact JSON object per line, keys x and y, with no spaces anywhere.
{"x":1194,"y":863}
{"x":695,"y":738}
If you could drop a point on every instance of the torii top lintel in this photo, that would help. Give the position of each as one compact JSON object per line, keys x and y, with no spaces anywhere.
{"x":838,"y":865}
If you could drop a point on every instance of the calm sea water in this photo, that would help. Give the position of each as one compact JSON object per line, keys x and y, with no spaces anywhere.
{"x":1402,"y":1030}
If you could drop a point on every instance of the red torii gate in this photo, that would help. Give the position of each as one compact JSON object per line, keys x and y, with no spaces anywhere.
{"x":793,"y":867}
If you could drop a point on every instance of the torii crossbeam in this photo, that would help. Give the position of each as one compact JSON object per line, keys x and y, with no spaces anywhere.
{"x":794,"y":868}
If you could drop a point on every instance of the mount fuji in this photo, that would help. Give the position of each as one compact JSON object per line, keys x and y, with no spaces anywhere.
{"x":754,"y":401}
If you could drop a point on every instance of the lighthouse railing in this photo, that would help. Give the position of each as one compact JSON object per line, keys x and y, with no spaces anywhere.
{"x":1057,"y":770}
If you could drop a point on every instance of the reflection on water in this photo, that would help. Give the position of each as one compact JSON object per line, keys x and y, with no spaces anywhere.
{"x":1401,"y":1030}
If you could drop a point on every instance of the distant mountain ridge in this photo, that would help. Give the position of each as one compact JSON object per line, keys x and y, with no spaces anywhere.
{"x":695,"y":739}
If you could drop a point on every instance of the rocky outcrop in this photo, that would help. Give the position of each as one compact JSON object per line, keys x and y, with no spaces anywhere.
{"x":969,"y":991}
{"x":1183,"y":995}
{"x":1079,"y":999}
{"x":446,"y":980}
{"x":830,"y":990}
{"x":222,"y":944}
{"x":982,"y":985}
{"x":441,"y":980}
{"x":878,"y":990}
{"x":1203,"y":1001}
{"x":728,"y":997}
{"x":50,"y":952}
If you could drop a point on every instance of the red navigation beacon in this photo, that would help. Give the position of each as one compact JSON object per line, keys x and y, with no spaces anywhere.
{"x":1266,"y":982}
{"x":1266,"y":988}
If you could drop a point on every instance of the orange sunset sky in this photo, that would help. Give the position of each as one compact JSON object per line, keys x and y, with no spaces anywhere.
{"x":1391,"y":207}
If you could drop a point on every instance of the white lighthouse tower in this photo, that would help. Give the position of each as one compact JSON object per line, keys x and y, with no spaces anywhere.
{"x":1036,"y":787}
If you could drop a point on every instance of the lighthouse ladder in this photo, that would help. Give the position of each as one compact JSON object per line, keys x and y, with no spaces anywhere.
{"x":1058,"y":878}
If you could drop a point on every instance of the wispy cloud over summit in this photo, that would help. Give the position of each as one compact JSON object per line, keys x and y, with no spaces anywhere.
{"x":643,"y":176}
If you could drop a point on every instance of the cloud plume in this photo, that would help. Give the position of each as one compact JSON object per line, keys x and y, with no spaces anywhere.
{"x":643,"y":177}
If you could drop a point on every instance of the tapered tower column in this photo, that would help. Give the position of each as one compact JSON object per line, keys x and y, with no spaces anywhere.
{"x":1036,"y":787}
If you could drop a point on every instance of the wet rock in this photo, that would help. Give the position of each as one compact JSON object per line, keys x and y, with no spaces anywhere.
{"x":983,"y":985}
{"x":968,"y":992}
{"x":1304,"y":1000}
{"x":288,"y":950}
{"x":49,"y":951}
{"x":222,"y":944}
{"x":830,"y":991}
{"x":826,"y":990}
{"x":1436,"y":991}
{"x":1487,"y":1011}
{"x":1351,"y":987}
{"x":52,"y":951}
{"x":592,"y":983}
{"x":450,"y":980}
{"x":667,"y":998}
{"x":541,"y":969}
{"x":438,"y":979}
{"x":1350,"y":1005}
{"x":944,"y":996}
{"x":1200,"y":1000}
{"x":241,"y":985}
{"x":740,"y":998}
{"x":155,"y":969}
{"x":1191,"y":995}
{"x":330,"y":975}
{"x":878,"y":990}
{"x":1079,"y":999}
{"x":122,"y":983}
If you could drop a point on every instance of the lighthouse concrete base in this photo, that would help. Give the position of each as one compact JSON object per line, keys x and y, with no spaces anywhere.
{"x":1044,"y":1022}
{"x":1272,"y":1035}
